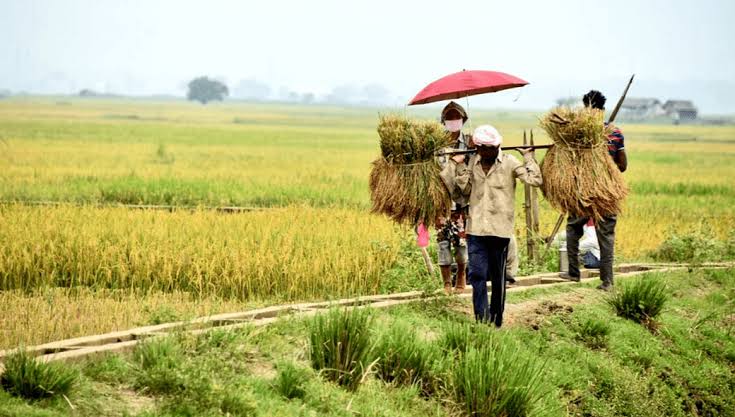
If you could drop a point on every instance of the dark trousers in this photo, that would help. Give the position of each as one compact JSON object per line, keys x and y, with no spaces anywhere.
{"x":605,"y":230}
{"x":487,"y":256}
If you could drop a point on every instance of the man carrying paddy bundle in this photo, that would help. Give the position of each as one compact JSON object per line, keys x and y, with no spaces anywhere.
{"x":488,"y":180}
{"x":605,"y":227}
{"x":453,"y":117}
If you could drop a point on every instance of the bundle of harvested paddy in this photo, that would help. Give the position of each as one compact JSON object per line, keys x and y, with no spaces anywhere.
{"x":580,"y":178}
{"x":404,"y":181}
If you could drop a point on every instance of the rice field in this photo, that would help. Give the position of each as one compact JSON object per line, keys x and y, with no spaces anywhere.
{"x":47,"y":314}
{"x":306,"y":167}
{"x":284,"y":254}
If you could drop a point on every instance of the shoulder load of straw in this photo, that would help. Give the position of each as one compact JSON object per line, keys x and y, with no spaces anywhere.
{"x":580,"y":177}
{"x":404,"y":181}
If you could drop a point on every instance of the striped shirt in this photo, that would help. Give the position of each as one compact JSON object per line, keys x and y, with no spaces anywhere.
{"x":615,"y":141}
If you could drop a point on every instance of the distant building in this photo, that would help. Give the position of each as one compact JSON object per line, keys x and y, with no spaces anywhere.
{"x":641,"y":108}
{"x":680,"y":110}
{"x":646,"y":108}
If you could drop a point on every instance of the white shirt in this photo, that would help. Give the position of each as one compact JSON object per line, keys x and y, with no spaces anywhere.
{"x":589,"y":243}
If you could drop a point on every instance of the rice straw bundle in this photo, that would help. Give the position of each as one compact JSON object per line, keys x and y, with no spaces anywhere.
{"x":580,"y":177}
{"x":404,"y":181}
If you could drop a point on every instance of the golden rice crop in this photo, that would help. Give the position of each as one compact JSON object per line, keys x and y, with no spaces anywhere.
{"x":580,"y":178}
{"x":48,"y":314}
{"x":247,"y":256}
{"x":404,"y":181}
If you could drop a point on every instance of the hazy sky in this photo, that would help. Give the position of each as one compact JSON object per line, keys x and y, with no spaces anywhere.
{"x":676,"y":48}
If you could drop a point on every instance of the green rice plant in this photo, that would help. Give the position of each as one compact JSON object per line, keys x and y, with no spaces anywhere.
{"x":593,"y":333}
{"x":290,"y":381}
{"x":498,"y":379}
{"x":340,"y":347}
{"x":158,"y":366}
{"x":28,"y":378}
{"x":405,"y":359}
{"x":640,"y":301}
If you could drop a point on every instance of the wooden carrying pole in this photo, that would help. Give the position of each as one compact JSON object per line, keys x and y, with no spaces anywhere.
{"x":505,"y":148}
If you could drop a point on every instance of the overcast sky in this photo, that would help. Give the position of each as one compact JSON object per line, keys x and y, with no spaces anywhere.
{"x":678,"y":49}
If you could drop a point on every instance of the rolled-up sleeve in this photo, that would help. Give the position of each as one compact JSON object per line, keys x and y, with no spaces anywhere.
{"x":457,"y":179}
{"x":528,"y":171}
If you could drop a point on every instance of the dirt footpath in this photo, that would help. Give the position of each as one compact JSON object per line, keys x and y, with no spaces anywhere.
{"x":534,"y":313}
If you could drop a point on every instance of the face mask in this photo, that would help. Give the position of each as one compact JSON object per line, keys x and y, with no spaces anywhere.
{"x":453,"y":125}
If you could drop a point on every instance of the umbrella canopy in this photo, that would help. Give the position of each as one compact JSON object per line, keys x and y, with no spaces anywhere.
{"x":466,"y":83}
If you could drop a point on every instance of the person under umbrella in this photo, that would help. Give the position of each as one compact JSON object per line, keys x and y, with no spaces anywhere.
{"x":450,"y":231}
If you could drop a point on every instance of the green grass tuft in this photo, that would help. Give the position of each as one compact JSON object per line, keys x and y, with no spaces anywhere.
{"x":498,"y":379}
{"x":28,"y":378}
{"x":405,"y":359}
{"x":641,"y":301}
{"x":593,"y":333}
{"x":158,"y":366}
{"x":290,"y":381}
{"x":340,"y":346}
{"x":460,"y":337}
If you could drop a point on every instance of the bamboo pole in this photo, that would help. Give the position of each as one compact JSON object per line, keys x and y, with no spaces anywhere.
{"x":534,"y":212}
{"x":427,"y":260}
{"x":529,"y":213}
{"x":550,"y":239}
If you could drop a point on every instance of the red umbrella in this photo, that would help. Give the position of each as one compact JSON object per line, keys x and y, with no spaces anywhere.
{"x":466,"y":83}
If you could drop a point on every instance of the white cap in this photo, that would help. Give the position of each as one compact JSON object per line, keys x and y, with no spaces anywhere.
{"x":487,"y":135}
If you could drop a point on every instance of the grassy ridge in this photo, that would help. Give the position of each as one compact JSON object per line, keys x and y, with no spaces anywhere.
{"x":592,"y":363}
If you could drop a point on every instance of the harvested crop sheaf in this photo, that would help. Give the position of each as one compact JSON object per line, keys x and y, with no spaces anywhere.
{"x":404,"y":181}
{"x":580,"y":178}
